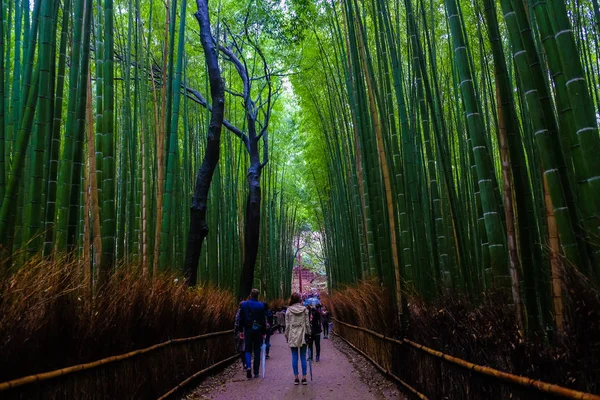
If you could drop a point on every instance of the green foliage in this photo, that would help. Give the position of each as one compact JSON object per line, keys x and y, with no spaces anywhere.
{"x":385,"y":138}
{"x":435,"y":74}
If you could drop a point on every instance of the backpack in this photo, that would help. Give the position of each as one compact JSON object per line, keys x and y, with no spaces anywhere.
{"x":256,"y":326}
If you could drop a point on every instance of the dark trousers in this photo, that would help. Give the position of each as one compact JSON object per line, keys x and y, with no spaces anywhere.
{"x":325,"y":329}
{"x":253,"y":342}
{"x":267,"y":344}
{"x":316,"y":339}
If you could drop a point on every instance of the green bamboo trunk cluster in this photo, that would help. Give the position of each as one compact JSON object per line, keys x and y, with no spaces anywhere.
{"x":429,"y":152}
{"x":451,"y":127}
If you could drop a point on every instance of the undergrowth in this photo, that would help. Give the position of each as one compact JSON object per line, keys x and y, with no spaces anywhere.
{"x":483,"y":333}
{"x":50,"y":320}
{"x":277,"y":303}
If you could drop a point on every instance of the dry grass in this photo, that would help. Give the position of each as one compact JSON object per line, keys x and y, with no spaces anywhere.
{"x":485,"y":334}
{"x":277,"y":303}
{"x":49,"y":320}
{"x":367,"y":304}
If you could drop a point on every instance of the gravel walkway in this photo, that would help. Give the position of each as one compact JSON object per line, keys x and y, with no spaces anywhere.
{"x":341,"y":374}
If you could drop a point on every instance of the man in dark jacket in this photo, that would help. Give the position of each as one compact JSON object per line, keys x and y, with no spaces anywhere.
{"x":253,"y":319}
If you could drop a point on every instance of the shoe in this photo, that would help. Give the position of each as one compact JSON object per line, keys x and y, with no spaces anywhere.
{"x":267,"y":357}
{"x":248,"y":373}
{"x":304,"y":381}
{"x":296,"y":381}
{"x":324,"y":337}
{"x":317,"y":360}
{"x":256,"y":375}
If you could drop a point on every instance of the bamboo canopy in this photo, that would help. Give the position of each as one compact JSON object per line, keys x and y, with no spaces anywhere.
{"x":435,"y":147}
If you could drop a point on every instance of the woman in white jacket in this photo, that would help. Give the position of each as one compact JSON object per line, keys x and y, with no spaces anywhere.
{"x":297,"y":327}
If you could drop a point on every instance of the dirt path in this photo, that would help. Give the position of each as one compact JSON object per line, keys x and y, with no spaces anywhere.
{"x":340,"y":374}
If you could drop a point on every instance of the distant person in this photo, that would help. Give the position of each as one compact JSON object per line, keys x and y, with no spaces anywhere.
{"x":254,"y":321}
{"x":315,"y":333}
{"x":269,"y":316}
{"x":279,"y":319}
{"x":283,"y":314}
{"x":297,"y":328}
{"x":325,"y":321}
{"x":238,"y":331}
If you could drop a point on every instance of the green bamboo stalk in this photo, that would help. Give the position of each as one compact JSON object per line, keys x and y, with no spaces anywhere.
{"x":43,"y":128}
{"x":584,"y":116}
{"x":99,"y":56}
{"x":546,"y":141}
{"x":108,"y":153}
{"x":524,"y":220}
{"x":2,"y":108}
{"x":9,"y":204}
{"x":54,"y":151}
{"x":15,"y":108}
{"x":484,"y":166}
{"x":65,"y":176}
{"x":75,"y":202}
{"x":173,"y":142}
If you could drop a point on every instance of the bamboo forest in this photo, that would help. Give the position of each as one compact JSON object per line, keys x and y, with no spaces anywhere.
{"x":422,"y":175}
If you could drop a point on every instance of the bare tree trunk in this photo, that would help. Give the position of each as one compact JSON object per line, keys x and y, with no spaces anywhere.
{"x":198,"y":226}
{"x":252,"y":224}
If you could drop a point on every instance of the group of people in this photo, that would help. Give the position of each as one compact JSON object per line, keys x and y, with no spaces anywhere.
{"x":302,"y":325}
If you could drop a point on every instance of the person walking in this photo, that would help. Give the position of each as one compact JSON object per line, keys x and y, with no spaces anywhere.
{"x":279,"y":320}
{"x":325,"y":321}
{"x":297,"y":328}
{"x":283,"y":314}
{"x":238,"y":331}
{"x":254,"y":321}
{"x":315,"y":333}
{"x":269,"y":316}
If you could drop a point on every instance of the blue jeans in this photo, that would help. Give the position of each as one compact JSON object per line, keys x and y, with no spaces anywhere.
{"x":253,"y":341}
{"x":302,"y":359}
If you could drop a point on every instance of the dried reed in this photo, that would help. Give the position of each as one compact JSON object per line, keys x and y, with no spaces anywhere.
{"x":484,"y":334}
{"x":50,"y":320}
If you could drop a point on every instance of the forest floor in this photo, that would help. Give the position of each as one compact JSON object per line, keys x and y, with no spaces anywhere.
{"x":341,"y":373}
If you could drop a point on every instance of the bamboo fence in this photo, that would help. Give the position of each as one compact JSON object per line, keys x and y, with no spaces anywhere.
{"x":522,"y":381}
{"x":4,"y":386}
{"x":382,"y":369}
{"x":196,"y":375}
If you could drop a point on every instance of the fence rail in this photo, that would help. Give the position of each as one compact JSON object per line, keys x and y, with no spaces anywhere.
{"x":95,"y":364}
{"x":196,"y":375}
{"x":382,"y":369}
{"x":525,"y":382}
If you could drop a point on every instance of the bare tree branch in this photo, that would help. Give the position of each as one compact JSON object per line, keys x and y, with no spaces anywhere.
{"x":197,"y":97}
